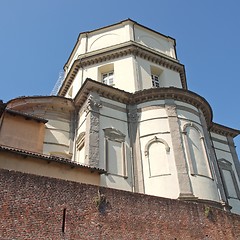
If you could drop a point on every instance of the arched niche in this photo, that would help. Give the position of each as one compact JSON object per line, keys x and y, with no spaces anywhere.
{"x":156,"y":152}
{"x":195,"y":149}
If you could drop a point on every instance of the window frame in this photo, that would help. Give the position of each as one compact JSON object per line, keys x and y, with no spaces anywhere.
{"x":155,"y":81}
{"x":108,"y":79}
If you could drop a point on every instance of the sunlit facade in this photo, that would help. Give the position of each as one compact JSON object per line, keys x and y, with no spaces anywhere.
{"x":124,"y":110}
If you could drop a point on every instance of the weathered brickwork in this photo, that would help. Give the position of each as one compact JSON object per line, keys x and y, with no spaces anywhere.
{"x":34,"y":207}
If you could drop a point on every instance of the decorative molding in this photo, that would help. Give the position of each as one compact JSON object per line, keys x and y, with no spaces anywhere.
{"x":133,"y":115}
{"x":113,"y":134}
{"x":51,"y":104}
{"x":223,"y":130}
{"x":93,"y":104}
{"x":204,"y":151}
{"x":190,"y":124}
{"x":121,"y":50}
{"x":155,"y":139}
{"x":144,"y":96}
{"x":171,"y":110}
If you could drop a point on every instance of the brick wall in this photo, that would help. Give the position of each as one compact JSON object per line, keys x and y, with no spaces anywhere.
{"x":34,"y":207}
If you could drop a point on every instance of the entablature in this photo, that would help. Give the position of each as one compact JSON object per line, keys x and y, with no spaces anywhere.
{"x":120,"y":50}
{"x":144,"y":96}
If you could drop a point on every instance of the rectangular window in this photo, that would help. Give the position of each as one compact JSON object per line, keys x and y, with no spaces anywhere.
{"x":108,"y":78}
{"x":155,"y":81}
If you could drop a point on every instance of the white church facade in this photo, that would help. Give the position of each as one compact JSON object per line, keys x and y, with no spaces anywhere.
{"x":124,"y":107}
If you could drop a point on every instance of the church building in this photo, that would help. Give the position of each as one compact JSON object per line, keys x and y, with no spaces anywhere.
{"x":122,"y":117}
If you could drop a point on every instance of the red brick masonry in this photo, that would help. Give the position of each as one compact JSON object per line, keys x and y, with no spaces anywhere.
{"x":34,"y":207}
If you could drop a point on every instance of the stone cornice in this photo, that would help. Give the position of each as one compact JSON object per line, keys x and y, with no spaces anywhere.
{"x":223,"y":130}
{"x":48,"y":158}
{"x":144,"y":96}
{"x":120,"y":50}
{"x":53,"y":103}
{"x":113,"y":26}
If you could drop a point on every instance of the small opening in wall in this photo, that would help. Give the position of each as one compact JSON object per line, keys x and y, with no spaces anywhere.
{"x":64,"y":220}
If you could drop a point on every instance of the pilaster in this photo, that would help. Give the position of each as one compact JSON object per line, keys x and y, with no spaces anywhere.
{"x":136,"y":149}
{"x":213,"y":161}
{"x":185,"y":187}
{"x":92,"y":110}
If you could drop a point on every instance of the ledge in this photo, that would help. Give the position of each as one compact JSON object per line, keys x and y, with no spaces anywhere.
{"x":119,"y":50}
{"x":49,"y":158}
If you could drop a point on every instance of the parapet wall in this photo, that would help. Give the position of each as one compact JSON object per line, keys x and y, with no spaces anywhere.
{"x":34,"y":207}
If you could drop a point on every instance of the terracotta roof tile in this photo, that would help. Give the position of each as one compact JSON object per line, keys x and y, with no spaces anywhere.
{"x":49,"y":158}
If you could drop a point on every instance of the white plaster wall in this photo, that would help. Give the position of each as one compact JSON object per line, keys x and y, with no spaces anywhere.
{"x":168,"y":78}
{"x":106,"y":37}
{"x":185,"y":116}
{"x":124,"y":75}
{"x":114,"y":114}
{"x":153,"y":114}
{"x":116,"y":34}
{"x":153,"y":122}
{"x":152,"y":103}
{"x":222,"y":146}
{"x":102,"y":38}
{"x":165,"y":185}
{"x":223,"y":152}
{"x":185,"y":105}
{"x":56,"y":140}
{"x":81,"y":49}
{"x":235,"y":204}
{"x":155,"y":41}
{"x":129,"y":75}
{"x":112,"y":102}
{"x":218,"y":136}
{"x":204,"y":187}
{"x":77,"y":82}
{"x":154,"y":126}
{"x":110,"y":118}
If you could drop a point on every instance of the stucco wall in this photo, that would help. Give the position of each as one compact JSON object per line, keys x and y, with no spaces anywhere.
{"x":200,"y":165}
{"x":34,"y":207}
{"x":229,"y":164}
{"x":51,"y":169}
{"x":115,"y":158}
{"x":18,"y":132}
{"x":159,"y":170}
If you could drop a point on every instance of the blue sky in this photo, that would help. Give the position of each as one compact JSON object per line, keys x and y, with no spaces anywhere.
{"x":37,"y":37}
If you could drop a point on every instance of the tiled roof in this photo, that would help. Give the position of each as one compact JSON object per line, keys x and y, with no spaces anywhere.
{"x":27,"y":116}
{"x":49,"y":158}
